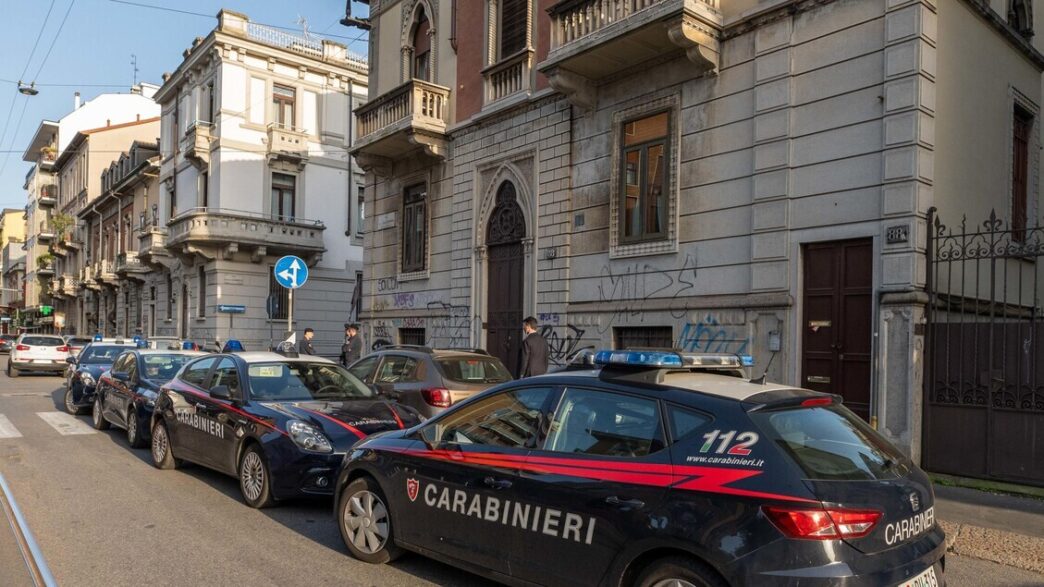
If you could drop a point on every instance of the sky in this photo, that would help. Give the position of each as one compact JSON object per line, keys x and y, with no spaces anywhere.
{"x":93,"y":48}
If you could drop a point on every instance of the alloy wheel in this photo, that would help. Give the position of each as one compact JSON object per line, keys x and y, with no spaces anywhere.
{"x":674,"y":583}
{"x":252,"y":476}
{"x":160,"y":444}
{"x":366,"y":519}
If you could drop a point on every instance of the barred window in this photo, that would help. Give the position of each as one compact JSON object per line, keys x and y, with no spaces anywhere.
{"x":278,"y":296}
{"x":411,"y":336}
{"x":643,"y":337}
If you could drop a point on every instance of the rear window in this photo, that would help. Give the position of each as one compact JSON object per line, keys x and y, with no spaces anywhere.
{"x":830,"y":443}
{"x":473,"y":370}
{"x":79,"y":341}
{"x":43,"y":341}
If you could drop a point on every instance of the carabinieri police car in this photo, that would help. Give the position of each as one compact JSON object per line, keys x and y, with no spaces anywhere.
{"x":280,"y":423}
{"x":655,"y":469}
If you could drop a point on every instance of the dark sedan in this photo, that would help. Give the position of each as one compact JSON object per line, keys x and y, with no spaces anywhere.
{"x":126,"y":394}
{"x":84,"y":371}
{"x":280,"y":424}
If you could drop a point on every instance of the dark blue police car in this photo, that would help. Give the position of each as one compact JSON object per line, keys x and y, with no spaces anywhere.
{"x":279,"y":423}
{"x":655,"y":469}
{"x":84,"y":371}
{"x":126,"y":394}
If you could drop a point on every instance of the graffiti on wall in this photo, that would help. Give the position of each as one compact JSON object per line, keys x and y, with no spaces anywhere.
{"x":631,"y":285}
{"x":709,"y":335}
{"x":562,"y":341}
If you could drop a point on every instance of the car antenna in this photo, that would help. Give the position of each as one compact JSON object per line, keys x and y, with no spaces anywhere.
{"x":761,"y":380}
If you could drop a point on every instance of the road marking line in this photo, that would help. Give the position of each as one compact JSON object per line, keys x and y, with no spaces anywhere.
{"x":7,"y":429}
{"x":65,"y":424}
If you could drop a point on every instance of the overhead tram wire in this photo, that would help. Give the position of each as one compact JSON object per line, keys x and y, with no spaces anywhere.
{"x":18,"y":126}
{"x":28,"y":61}
{"x":54,"y":40}
{"x":192,"y":13}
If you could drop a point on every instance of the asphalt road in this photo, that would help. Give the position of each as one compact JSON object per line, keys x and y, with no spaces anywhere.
{"x":103,"y":515}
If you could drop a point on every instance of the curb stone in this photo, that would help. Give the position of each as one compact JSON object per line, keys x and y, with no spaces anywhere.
{"x":1006,"y":548}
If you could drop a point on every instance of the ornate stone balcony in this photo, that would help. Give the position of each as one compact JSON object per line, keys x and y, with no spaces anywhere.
{"x":43,"y":271}
{"x":594,"y":39}
{"x":509,"y":77}
{"x":196,"y":143}
{"x":68,"y":285}
{"x":287,"y":143}
{"x":46,"y":233}
{"x":104,"y":274}
{"x":152,"y":244}
{"x":87,"y":280}
{"x":129,"y":266}
{"x":213,"y":232}
{"x":400,"y":122}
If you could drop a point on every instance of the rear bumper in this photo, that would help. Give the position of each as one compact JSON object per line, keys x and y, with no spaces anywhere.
{"x":843,"y":566}
{"x":49,"y":367}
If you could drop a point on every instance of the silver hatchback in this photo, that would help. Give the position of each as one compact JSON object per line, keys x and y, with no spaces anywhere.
{"x":429,"y":380}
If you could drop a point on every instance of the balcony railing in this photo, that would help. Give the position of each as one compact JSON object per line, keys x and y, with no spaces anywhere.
{"x":232,"y":229}
{"x":103,"y":272}
{"x":287,"y":142}
{"x":48,"y":196}
{"x":68,"y":285}
{"x":508,"y":77}
{"x":128,"y":262}
{"x":46,"y":232}
{"x":594,"y":39}
{"x":393,"y":124}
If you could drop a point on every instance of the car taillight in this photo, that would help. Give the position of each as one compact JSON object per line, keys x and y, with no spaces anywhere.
{"x":22,"y":347}
{"x":822,"y":524}
{"x":63,"y":349}
{"x":437,"y":397}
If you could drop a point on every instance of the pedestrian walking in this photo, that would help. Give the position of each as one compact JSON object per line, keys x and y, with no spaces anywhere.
{"x":534,"y":350}
{"x":305,"y":346}
{"x":351,"y":350}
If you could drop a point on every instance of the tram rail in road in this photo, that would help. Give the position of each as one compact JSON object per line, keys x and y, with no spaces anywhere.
{"x":16,"y":539}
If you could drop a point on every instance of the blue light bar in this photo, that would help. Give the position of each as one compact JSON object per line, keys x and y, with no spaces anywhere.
{"x":747,"y":360}
{"x":638,"y":358}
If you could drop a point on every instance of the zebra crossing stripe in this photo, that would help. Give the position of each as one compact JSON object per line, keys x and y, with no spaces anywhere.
{"x":65,"y":424}
{"x":7,"y":429}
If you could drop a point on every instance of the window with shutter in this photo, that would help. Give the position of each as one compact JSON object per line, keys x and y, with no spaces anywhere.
{"x":514,"y":21}
{"x":414,"y":229}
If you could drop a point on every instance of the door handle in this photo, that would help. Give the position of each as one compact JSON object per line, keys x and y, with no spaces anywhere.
{"x":624,"y":503}
{"x":496,"y":483}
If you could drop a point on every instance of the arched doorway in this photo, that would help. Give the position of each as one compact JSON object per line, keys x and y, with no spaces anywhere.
{"x":504,"y":234}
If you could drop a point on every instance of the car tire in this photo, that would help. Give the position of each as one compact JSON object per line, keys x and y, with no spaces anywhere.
{"x":161,"y":450}
{"x":365,"y":523}
{"x":11,"y":371}
{"x":255,"y":481}
{"x":679,"y":571}
{"x":134,"y":438}
{"x":97,"y":417}
{"x":70,"y":405}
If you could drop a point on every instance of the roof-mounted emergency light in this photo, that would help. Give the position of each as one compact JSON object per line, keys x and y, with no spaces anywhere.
{"x":669,"y":359}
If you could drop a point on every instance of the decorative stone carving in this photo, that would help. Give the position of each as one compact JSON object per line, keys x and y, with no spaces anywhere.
{"x":374,"y":164}
{"x":576,"y":88}
{"x":699,"y":40}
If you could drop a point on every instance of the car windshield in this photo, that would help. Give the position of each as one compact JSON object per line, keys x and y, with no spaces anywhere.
{"x":473,"y":369}
{"x":830,"y":443}
{"x":303,"y":381}
{"x":162,"y":368}
{"x":100,"y":355}
{"x":43,"y":341}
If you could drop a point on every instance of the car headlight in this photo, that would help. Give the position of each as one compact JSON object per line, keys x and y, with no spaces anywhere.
{"x":87,"y":379}
{"x":308,"y":437}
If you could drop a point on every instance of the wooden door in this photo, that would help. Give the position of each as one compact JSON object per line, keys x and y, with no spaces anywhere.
{"x":506,"y":279}
{"x":838,"y":314}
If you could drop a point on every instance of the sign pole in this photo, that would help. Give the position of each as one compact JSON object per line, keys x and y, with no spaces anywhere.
{"x":290,"y":312}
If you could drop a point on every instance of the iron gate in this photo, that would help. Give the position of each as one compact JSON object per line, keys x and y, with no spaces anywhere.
{"x":984,"y":379}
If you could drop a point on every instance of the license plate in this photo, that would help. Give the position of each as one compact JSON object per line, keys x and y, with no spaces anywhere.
{"x":925,"y":579}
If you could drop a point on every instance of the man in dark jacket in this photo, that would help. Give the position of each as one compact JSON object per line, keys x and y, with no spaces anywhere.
{"x":305,"y":346}
{"x":534,"y":350}
{"x":351,"y":350}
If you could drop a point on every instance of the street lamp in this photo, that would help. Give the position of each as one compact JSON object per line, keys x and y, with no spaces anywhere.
{"x":28,"y":89}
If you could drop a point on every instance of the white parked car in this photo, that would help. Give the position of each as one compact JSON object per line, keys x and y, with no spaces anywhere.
{"x":38,"y":352}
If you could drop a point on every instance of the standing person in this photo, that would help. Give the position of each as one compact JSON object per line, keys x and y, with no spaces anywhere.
{"x":305,"y":346}
{"x":534,"y":350}
{"x":351,"y":350}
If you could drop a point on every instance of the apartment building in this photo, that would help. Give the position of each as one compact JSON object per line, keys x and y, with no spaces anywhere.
{"x":761,"y":177}
{"x":12,"y":267}
{"x":43,"y":245}
{"x":83,"y":284}
{"x":254,"y":165}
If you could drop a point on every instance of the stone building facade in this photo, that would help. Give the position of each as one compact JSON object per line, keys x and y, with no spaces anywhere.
{"x":253,"y":166}
{"x":723,"y":176}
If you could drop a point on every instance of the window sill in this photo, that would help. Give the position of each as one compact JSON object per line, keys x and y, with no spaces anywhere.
{"x":413,"y":276}
{"x":643,"y":249}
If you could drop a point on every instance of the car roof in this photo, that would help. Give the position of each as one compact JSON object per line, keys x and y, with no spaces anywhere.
{"x":701,"y":381}
{"x":270,"y":357}
{"x":169,"y":352}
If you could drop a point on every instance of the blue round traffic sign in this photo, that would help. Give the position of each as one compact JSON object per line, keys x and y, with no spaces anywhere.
{"x":291,"y":272}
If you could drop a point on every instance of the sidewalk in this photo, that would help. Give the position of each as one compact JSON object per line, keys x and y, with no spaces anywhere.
{"x":1000,"y":528}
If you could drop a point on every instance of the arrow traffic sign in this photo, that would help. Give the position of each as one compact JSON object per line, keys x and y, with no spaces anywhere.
{"x":291,"y":272}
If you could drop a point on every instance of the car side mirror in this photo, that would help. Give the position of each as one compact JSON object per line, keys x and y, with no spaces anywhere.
{"x":70,"y":359}
{"x":221,"y":392}
{"x":121,"y":375}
